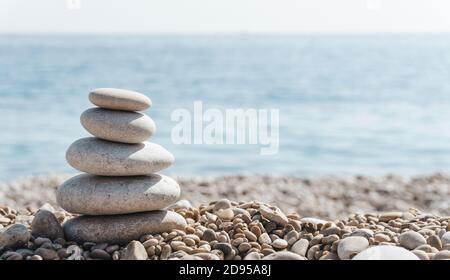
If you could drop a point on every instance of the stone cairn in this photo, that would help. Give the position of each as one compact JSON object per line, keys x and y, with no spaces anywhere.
{"x":120,"y":198}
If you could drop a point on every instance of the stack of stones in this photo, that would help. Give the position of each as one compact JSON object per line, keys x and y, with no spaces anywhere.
{"x":120,"y":198}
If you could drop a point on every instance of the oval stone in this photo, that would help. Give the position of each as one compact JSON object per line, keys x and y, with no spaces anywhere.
{"x":118,"y":126}
{"x":98,"y":195}
{"x":121,"y":229}
{"x":385,"y":252}
{"x":119,"y":99}
{"x":100,"y":157}
{"x":350,"y":246}
{"x":283,"y":255}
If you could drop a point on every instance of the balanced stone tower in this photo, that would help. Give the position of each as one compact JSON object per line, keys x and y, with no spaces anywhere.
{"x":120,"y":198}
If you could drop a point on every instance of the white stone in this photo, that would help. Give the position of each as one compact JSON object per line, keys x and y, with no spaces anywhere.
{"x":119,"y":99}
{"x":101,"y":157}
{"x":385,"y":252}
{"x":351,"y":245}
{"x":99,"y":195}
{"x":118,"y":126}
{"x":121,"y":229}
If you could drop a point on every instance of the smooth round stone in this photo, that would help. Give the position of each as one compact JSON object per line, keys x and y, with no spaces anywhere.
{"x":283,"y":255}
{"x":313,"y":220}
{"x":351,"y":245}
{"x":385,"y":252}
{"x":445,"y":239}
{"x":45,"y":224}
{"x":100,"y":157}
{"x":411,"y":240}
{"x":13,"y":236}
{"x":121,"y":229}
{"x":118,"y":126}
{"x":300,"y":247}
{"x":119,"y":99}
{"x":98,"y":195}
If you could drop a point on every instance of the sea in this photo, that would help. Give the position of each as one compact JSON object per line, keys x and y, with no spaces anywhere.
{"x":348,"y":103}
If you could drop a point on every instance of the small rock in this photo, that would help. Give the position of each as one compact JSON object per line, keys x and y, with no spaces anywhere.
{"x":253,"y":256}
{"x":14,"y":236}
{"x":207,"y":256}
{"x":274,"y":215}
{"x":279,"y":243}
{"x":329,"y":256}
{"x":191,"y":258}
{"x":119,"y":99}
{"x":350,"y":246}
{"x":112,"y":248}
{"x":183,"y":203}
{"x":386,"y":217}
{"x":411,"y":240}
{"x":100,"y":254}
{"x":264,"y":239}
{"x":45,"y":224}
{"x":134,"y":251}
{"x":165,"y":252}
{"x":435,"y":241}
{"x":426,"y":248}
{"x":35,"y":258}
{"x":244,"y":247}
{"x":48,"y":207}
{"x":46,"y":254}
{"x":313,"y":221}
{"x":224,"y":247}
{"x":222,"y":204}
{"x":421,"y":255}
{"x":331,"y":230}
{"x":75,"y":252}
{"x":39,"y":241}
{"x":364,"y":232}
{"x":385,"y":252}
{"x":25,"y":252}
{"x":15,"y":257}
{"x":283,"y":255}
{"x":300,"y":247}
{"x":225,"y":214}
{"x":381,"y":237}
{"x":442,"y":255}
{"x":209,"y":235}
{"x":445,"y":239}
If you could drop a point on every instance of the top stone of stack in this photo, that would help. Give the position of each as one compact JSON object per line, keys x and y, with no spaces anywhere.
{"x":119,"y":99}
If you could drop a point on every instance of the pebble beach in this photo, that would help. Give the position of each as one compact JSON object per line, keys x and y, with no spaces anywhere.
{"x":251,"y":218}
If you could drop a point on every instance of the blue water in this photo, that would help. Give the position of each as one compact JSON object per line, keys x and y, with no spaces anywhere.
{"x":348,"y":103}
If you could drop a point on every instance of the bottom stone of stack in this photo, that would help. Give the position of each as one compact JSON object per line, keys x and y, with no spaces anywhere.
{"x":121,"y":229}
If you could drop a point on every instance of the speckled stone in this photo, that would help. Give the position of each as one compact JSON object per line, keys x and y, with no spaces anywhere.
{"x":119,"y":99}
{"x":121,"y":229}
{"x":100,"y":157}
{"x":14,"y":236}
{"x":45,"y":224}
{"x":100,"y":195}
{"x":118,"y":126}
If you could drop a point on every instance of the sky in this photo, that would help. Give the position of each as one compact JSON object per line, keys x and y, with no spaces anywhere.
{"x":223,"y":16}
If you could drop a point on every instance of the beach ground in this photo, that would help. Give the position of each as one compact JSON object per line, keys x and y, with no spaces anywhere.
{"x":323,"y":197}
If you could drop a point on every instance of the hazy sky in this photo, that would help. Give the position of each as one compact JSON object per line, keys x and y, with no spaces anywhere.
{"x":225,"y":16}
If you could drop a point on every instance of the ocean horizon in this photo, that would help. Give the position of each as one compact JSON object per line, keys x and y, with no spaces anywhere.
{"x":348,"y":103}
